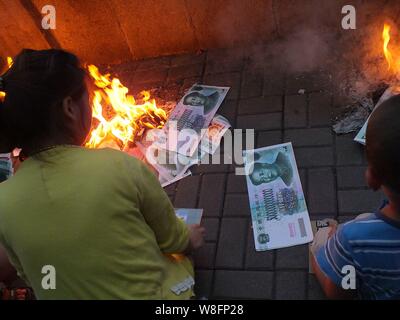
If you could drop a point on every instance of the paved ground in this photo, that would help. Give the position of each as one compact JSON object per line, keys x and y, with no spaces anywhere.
{"x":264,"y":98}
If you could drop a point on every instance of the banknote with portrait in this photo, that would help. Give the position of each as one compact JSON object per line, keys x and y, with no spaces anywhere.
{"x":191,"y":117}
{"x":278,"y":207}
{"x":212,"y":138}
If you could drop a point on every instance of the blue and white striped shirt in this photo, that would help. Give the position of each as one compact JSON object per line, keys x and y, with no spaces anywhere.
{"x":370,"y":244}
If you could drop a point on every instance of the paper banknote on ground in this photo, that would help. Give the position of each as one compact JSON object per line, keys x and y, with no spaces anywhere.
{"x":390,"y":92}
{"x":171,"y":166}
{"x":6,"y":169}
{"x":212,"y":138}
{"x":278,"y":207}
{"x":189,"y":216}
{"x":193,"y":112}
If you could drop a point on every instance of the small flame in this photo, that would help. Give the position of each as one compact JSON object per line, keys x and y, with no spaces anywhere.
{"x":129,"y":120}
{"x":392,"y":61}
{"x":386,"y":40}
{"x":9,"y":64}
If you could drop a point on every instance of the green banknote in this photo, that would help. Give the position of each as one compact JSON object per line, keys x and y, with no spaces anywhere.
{"x":189,"y":216}
{"x":278,"y":207}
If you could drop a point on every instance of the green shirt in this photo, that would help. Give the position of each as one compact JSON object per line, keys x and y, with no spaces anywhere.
{"x":100,"y":217}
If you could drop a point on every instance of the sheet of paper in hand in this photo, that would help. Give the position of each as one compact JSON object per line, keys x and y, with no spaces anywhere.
{"x":6,"y":168}
{"x":278,"y":207}
{"x":212,"y":138}
{"x":189,"y":216}
{"x":194,"y":112}
{"x":320,"y":229}
{"x":390,"y":92}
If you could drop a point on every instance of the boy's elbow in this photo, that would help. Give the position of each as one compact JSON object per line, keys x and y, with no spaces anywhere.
{"x":331,"y":290}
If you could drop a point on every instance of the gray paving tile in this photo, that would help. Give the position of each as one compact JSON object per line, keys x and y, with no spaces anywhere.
{"x":295,"y":115}
{"x":291,"y":285}
{"x":212,"y":194}
{"x":292,"y":258}
{"x":243,"y":284}
{"x":230,"y":253}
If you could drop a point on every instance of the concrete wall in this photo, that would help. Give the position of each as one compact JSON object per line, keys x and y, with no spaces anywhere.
{"x":111,"y":31}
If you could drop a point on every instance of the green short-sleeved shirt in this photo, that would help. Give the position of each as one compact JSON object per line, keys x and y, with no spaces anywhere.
{"x":100,"y":217}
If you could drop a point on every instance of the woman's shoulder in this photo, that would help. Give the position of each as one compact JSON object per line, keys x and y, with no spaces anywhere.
{"x":109,"y":155}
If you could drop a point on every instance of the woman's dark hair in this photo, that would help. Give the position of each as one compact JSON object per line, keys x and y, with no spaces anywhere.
{"x":35,"y":86}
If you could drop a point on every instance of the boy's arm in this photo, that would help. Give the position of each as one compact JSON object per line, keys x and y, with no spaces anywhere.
{"x":328,"y":255}
{"x":331,"y":290}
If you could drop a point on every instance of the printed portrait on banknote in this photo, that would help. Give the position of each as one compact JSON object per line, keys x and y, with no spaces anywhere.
{"x":203,"y":97}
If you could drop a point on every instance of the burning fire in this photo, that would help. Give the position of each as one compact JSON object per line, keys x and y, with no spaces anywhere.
{"x":393,"y":63}
{"x":9,"y":64}
{"x":129,"y":118}
{"x":126,"y":121}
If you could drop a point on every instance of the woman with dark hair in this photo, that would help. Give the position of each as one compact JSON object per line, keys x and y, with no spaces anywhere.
{"x":99,"y":217}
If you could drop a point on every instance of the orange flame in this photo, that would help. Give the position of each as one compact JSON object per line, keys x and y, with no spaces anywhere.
{"x":9,"y":64}
{"x":393,"y":62}
{"x":386,"y":40}
{"x":129,"y":120}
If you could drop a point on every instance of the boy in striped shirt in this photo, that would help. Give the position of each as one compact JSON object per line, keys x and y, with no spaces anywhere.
{"x":369,"y":244}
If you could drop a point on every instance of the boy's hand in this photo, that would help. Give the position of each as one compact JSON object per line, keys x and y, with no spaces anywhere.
{"x":322,"y":235}
{"x":332,"y":230}
{"x":196,"y":236}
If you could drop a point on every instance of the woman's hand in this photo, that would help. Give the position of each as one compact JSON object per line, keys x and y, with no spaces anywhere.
{"x":7,"y":271}
{"x":196,"y":237}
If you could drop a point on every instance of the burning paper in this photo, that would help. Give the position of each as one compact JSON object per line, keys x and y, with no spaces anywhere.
{"x":118,"y":116}
{"x":121,"y":122}
{"x":278,"y":207}
{"x":191,"y":116}
{"x":390,"y":92}
{"x":189,"y":216}
{"x":172,"y":165}
{"x":393,"y":62}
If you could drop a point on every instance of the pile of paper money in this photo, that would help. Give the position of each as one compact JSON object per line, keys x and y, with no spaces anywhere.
{"x":278,"y":207}
{"x":6,"y":168}
{"x":390,"y":92}
{"x":196,"y":131}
